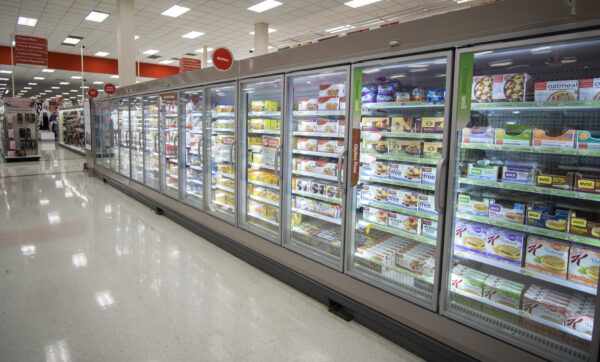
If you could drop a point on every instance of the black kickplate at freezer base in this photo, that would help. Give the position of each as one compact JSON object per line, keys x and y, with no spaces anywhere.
{"x":339,"y":310}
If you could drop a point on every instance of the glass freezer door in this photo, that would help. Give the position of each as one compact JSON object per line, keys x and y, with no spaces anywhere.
{"x":116,"y":135}
{"x":221,"y":123}
{"x":523,"y":221}
{"x":124,"y":137}
{"x":316,"y":136}
{"x":137,"y":140}
{"x":151,"y":144}
{"x":170,"y":142}
{"x":394,"y":234}
{"x":192,"y":109}
{"x":107,"y":135}
{"x":261,"y":123}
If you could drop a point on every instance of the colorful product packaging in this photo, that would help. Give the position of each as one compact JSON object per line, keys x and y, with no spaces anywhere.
{"x":307,"y":125}
{"x":429,"y":228}
{"x":556,"y":91}
{"x":327,"y":126}
{"x":374,"y":215}
{"x":585,"y":183}
{"x":584,"y":224}
{"x":478,"y":135}
{"x":514,"y":87}
{"x":406,"y":124}
{"x":467,"y":280}
{"x":472,"y":205}
{"x":377,"y":147}
{"x":483,"y":171}
{"x":405,"y":172}
{"x":519,"y":172}
{"x":544,"y":216}
{"x":332,"y":90}
{"x":432,"y":149}
{"x":375,"y":124}
{"x":374,"y":193}
{"x":306,"y":144}
{"x":513,"y":137}
{"x":432,"y":124}
{"x":308,"y":104}
{"x":403,"y":198}
{"x":428,"y":175}
{"x":584,"y":265}
{"x":330,"y":146}
{"x":329,"y":103}
{"x":403,"y":222}
{"x":404,"y":147}
{"x":377,"y":169}
{"x":505,"y":245}
{"x":589,"y":89}
{"x":470,"y":237}
{"x":503,"y":291}
{"x":546,"y":304}
{"x":564,"y":141}
{"x":563,"y":182}
{"x":427,"y":203}
{"x":507,"y":211}
{"x":587,"y":140}
{"x":481,"y":91}
{"x":547,"y":256}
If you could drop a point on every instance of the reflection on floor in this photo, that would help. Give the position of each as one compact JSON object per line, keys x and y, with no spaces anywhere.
{"x":86,"y":273}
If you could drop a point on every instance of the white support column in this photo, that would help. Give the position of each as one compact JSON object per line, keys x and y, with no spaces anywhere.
{"x":204,"y":56}
{"x":126,"y":41}
{"x":261,"y":39}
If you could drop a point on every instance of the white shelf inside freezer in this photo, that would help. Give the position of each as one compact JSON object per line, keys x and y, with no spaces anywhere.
{"x":524,"y":314}
{"x":370,"y":135}
{"x":262,"y":218}
{"x":537,"y":105}
{"x":257,"y":166}
{"x":398,"y":182}
{"x":194,"y":167}
{"x":317,"y":153}
{"x":318,"y":134}
{"x":222,"y":114}
{"x":195,"y":182}
{"x":401,"y":210}
{"x":223,"y":188}
{"x":195,"y":132}
{"x":396,"y":269}
{"x":317,"y":216}
{"x":172,"y":175}
{"x":395,"y":105}
{"x":315,"y":175}
{"x":404,"y":158}
{"x":530,"y":149}
{"x":528,"y":272}
{"x":258,"y":183}
{"x":225,"y":206}
{"x":389,"y":230}
{"x":223,"y":130}
{"x":264,"y":114}
{"x":320,"y":113}
{"x":264,"y":201}
{"x":264,"y":131}
{"x":317,"y":197}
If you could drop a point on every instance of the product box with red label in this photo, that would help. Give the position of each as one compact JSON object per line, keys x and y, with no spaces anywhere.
{"x":589,"y":89}
{"x":329,"y":103}
{"x":556,"y":91}
{"x":327,"y":126}
{"x":584,"y":265}
{"x":482,"y":89}
{"x":305,"y":165}
{"x":342,"y":103}
{"x":330,"y":146}
{"x":479,"y":135}
{"x":307,"y":125}
{"x":332,"y":90}
{"x":546,"y":304}
{"x":307,"y":104}
{"x":515,"y":87}
{"x":585,"y":183}
{"x":564,"y":141}
{"x":406,"y":223}
{"x":580,"y":314}
{"x":326,"y":168}
{"x":547,"y":256}
{"x":587,"y":140}
{"x":374,"y":215}
{"x":306,"y":144}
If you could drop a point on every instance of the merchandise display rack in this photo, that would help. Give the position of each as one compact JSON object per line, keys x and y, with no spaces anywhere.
{"x":71,"y":129}
{"x":19,"y":130}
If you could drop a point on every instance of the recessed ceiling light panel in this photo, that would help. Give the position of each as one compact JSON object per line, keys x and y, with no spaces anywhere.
{"x":96,"y":16}
{"x":151,"y":51}
{"x":359,"y":3}
{"x":175,"y":11}
{"x":101,"y":54}
{"x":192,"y":34}
{"x":26,"y":21}
{"x":264,"y":6}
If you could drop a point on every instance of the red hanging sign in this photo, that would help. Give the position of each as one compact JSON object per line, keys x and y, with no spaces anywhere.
{"x":109,"y":88}
{"x":188,"y":64}
{"x":31,"y":50}
{"x":222,"y":59}
{"x":93,"y":92}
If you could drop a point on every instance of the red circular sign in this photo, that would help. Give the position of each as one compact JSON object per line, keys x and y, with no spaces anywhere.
{"x":93,"y":92}
{"x":109,"y":88}
{"x":222,"y":59}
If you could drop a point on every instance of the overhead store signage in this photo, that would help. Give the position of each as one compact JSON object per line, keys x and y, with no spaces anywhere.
{"x":93,"y":92}
{"x":109,"y":88}
{"x":189,"y":64}
{"x":222,"y":59}
{"x":30,"y":50}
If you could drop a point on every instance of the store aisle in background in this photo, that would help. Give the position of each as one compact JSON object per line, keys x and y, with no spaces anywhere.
{"x":87,"y":273}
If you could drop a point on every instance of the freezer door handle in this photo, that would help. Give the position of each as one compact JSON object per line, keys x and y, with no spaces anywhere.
{"x":231,"y":154}
{"x":278,"y":163}
{"x":156,"y":142}
{"x":439,"y":195}
{"x":341,"y":160}
{"x":199,"y":152}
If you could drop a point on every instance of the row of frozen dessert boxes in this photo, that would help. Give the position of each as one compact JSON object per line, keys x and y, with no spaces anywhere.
{"x":399,"y":221}
{"x":322,"y":125}
{"x":534,"y":137}
{"x":398,"y":197}
{"x":400,"y":172}
{"x":403,"y":147}
{"x":316,"y":187}
{"x":394,"y":91}
{"x":332,"y":97}
{"x":578,"y":263}
{"x":326,"y":209}
{"x":404,"y":124}
{"x":572,"y":311}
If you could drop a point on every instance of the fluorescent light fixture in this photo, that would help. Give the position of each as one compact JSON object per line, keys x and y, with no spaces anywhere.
{"x":98,"y":82}
{"x":25,"y":87}
{"x":192,"y":34}
{"x":136,"y":37}
{"x":26,"y":21}
{"x":72,"y":40}
{"x":568,"y":60}
{"x":151,"y":51}
{"x":541,"y":50}
{"x":101,"y":54}
{"x":74,"y":90}
{"x":175,"y":11}
{"x":64,"y":83}
{"x":5,"y":71}
{"x":39,"y":78}
{"x":30,"y":83}
{"x":359,"y":3}
{"x":483,"y":53}
{"x":114,"y":76}
{"x":264,"y":6}
{"x":28,"y":250}
{"x":418,"y":65}
{"x":462,"y":1}
{"x":201,"y":50}
{"x":414,"y":70}
{"x":168,"y":61}
{"x":75,"y":77}
{"x":13,"y":43}
{"x":66,"y":93}
{"x":501,"y":63}
{"x":48,"y":70}
{"x":7,"y":79}
{"x":96,"y":16}
{"x":271,"y":30}
{"x":337,"y":29}
{"x":84,"y":87}
{"x":105,"y":299}
{"x":373,"y":70}
{"x":55,"y":87}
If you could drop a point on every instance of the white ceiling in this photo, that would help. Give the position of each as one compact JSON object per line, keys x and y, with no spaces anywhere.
{"x":223,"y":22}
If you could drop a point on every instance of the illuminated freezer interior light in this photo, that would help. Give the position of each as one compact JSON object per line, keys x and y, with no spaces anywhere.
{"x":541,"y":50}
{"x":483,"y":53}
{"x":501,"y":63}
{"x":373,"y":70}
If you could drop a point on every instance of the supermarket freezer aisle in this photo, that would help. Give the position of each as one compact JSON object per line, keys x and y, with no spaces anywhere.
{"x":88,"y":273}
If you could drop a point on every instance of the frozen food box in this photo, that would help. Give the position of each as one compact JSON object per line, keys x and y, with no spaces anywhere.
{"x":404,"y":147}
{"x":432,"y":125}
{"x":587,"y":140}
{"x":470,"y":237}
{"x":563,"y":182}
{"x":514,"y":87}
{"x":556,"y":91}
{"x":584,"y":183}
{"x":429,"y":228}
{"x":406,"y":124}
{"x":589,"y":89}
{"x":332,"y":191}
{"x":317,"y":187}
{"x":419,"y":260}
{"x":374,"y":193}
{"x":481,"y":91}
{"x":584,"y":265}
{"x":328,"y":210}
{"x":260,"y":192}
{"x":432,"y":149}
{"x":466,"y":280}
{"x":332,"y":90}
{"x":306,"y":144}
{"x":326,"y":168}
{"x":427,"y":203}
{"x":405,"y":172}
{"x":342,"y":126}
{"x":507,"y":211}
{"x":329,"y":103}
{"x":483,"y":171}
{"x":542,"y":216}
{"x":305,"y":165}
{"x":505,"y":245}
{"x":307,"y":125}
{"x":564,"y":141}
{"x":377,"y":169}
{"x":428,"y":175}
{"x":516,"y":136}
{"x":500,"y":314}
{"x":406,"y":223}
{"x":478,"y":135}
{"x":308,"y":104}
{"x":542,"y":329}
{"x":273,"y":195}
{"x":547,"y":256}
{"x":503,"y":291}
{"x":342,"y":103}
{"x":403,"y":198}
{"x":519,"y":172}
{"x":473,"y":205}
{"x":327,"y":126}
{"x":580,"y":314}
{"x":377,"y":147}
{"x":330,"y":146}
{"x":374,"y":215}
{"x":374,"y":124}
{"x":584,"y":224}
{"x":546,"y":304}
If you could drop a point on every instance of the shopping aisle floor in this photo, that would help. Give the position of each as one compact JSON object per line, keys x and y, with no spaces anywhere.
{"x":89,"y":274}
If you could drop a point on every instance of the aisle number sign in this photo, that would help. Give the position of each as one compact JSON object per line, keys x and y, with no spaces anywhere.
{"x":222,"y":59}
{"x":30,"y":50}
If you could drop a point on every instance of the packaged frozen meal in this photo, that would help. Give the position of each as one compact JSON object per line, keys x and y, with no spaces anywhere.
{"x":505,"y":245}
{"x":429,"y":228}
{"x":556,"y":91}
{"x":406,"y":124}
{"x":513,"y":135}
{"x":374,"y":124}
{"x":512,"y":87}
{"x":381,"y":146}
{"x":548,"y":256}
{"x":330,"y":146}
{"x":547,"y":304}
{"x":467,"y":280}
{"x":563,"y":182}
{"x":519,"y":172}
{"x":307,"y":104}
{"x":405,"y":172}
{"x":307,"y":125}
{"x":584,"y":265}
{"x":329,"y":103}
{"x":473,"y":205}
{"x":580,"y":314}
{"x":374,"y":193}
{"x":326,"y":168}
{"x":483,"y":170}
{"x":470,"y":237}
{"x":404,"y":147}
{"x":403,"y":198}
{"x":306,"y":144}
{"x":587,"y":183}
{"x":377,"y":169}
{"x":327,"y":126}
{"x":403,"y":222}
{"x":374,"y":215}
{"x":479,"y":135}
{"x":435,"y":95}
{"x":507,"y":211}
{"x":419,"y":259}
{"x":305,"y":165}
{"x":332,"y":90}
{"x":565,"y":140}
{"x":546,"y":216}
{"x":432,"y":149}
{"x":587,"y":140}
{"x":432,"y":124}
{"x":584,"y":224}
{"x":427,"y":203}
{"x":428,"y":175}
{"x":503,"y":291}
{"x":589,"y":89}
{"x":482,"y":89}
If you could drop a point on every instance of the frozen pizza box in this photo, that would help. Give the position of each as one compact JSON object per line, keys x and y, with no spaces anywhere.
{"x":405,"y":172}
{"x":466,"y":280}
{"x":587,"y":140}
{"x":519,"y":172}
{"x":327,"y":126}
{"x":329,"y":103}
{"x":432,"y":125}
{"x":307,"y":125}
{"x":478,"y":135}
{"x":406,"y":124}
{"x":514,"y":87}
{"x":556,"y":91}
{"x":429,"y":228}
{"x":470,"y":237}
{"x":403,"y":198}
{"x":376,"y":216}
{"x":427,"y":203}
{"x":406,"y":223}
{"x":513,"y":137}
{"x":503,"y":291}
{"x":547,"y":256}
{"x":473,"y":205}
{"x":505,"y":245}
{"x":584,"y":265}
{"x":481,"y":91}
{"x":563,"y":141}
{"x":589,"y":89}
{"x":585,"y":183}
{"x":507,"y":211}
{"x":428,"y":175}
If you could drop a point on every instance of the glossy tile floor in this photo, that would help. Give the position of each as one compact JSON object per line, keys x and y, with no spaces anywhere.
{"x":89,"y":274}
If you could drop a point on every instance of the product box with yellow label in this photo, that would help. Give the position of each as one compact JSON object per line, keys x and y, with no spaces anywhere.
{"x":432,"y":149}
{"x":404,"y":147}
{"x":587,"y":140}
{"x":584,"y":265}
{"x":584,"y":223}
{"x":548,"y":256}
{"x":542,"y":216}
{"x":515,"y":87}
{"x":585,"y":183}
{"x":563,"y":182}
{"x":542,"y":140}
{"x":381,"y":146}
{"x":406,"y":124}
{"x":432,"y":124}
{"x":375,"y":124}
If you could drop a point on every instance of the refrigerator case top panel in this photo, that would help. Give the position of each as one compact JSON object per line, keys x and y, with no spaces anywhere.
{"x":192,"y":108}
{"x":395,"y":229}
{"x":316,"y":149}
{"x":262,"y":124}
{"x":124,"y":137}
{"x":221,"y":123}
{"x":137,"y":139}
{"x":151,"y":142}
{"x":523,"y":221}
{"x":170,"y":143}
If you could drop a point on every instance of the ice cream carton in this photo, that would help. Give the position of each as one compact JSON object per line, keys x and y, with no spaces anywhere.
{"x":584,"y":265}
{"x":547,"y":256}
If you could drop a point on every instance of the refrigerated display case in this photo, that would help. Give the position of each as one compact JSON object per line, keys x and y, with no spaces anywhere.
{"x":137,"y":139}
{"x":317,"y":138}
{"x":124,"y":137}
{"x":221,"y":125}
{"x":192,"y":111}
{"x":169,"y":128}
{"x":395,"y":230}
{"x":523,"y":226}
{"x":116,"y":135}
{"x":108,"y":145}
{"x":151,"y":143}
{"x":262,"y":125}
